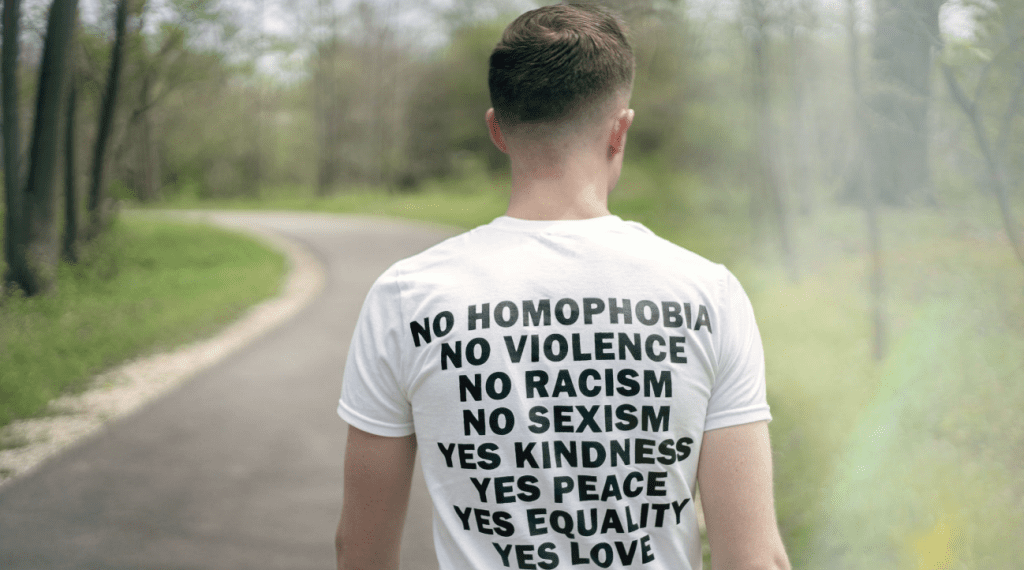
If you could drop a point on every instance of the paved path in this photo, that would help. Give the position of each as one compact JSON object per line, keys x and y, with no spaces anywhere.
{"x":239,"y":467}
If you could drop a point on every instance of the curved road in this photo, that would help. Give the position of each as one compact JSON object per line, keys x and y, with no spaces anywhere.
{"x":241,"y":466}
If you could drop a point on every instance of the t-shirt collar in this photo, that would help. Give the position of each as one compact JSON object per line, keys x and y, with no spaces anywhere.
{"x":508,"y":223}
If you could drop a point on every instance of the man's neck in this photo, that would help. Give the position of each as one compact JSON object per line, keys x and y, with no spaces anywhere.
{"x":574,"y":188}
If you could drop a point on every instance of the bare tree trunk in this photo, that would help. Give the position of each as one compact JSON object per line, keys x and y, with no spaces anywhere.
{"x":906,"y":32}
{"x":799,"y":145}
{"x":41,"y":252}
{"x":328,"y":113}
{"x":152,"y":172}
{"x":14,"y":198}
{"x":767,"y":166}
{"x":258,"y":145}
{"x":378,"y":49}
{"x":867,"y":190}
{"x":147,"y":155}
{"x":97,"y":190}
{"x":1003,"y":138}
{"x":69,"y":242}
{"x":69,"y":245}
{"x":325,"y":105}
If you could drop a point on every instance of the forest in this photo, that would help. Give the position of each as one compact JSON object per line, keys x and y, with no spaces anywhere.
{"x":789,"y":106}
{"x":858,"y":163}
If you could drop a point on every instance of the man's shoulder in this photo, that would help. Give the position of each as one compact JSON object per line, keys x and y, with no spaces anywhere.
{"x":440,"y":254}
{"x":505,"y":241}
{"x":647,"y":246}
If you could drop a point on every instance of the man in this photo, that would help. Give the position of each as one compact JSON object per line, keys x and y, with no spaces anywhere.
{"x":560,"y":370}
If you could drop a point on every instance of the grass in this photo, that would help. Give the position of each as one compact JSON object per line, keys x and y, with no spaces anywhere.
{"x":465,"y":203}
{"x":147,"y":285}
{"x":911,"y":462}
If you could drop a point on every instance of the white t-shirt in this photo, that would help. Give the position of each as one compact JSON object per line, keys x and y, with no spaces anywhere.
{"x":559,"y":376}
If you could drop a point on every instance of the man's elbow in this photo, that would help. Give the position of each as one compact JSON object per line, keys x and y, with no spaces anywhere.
{"x":353,"y":553}
{"x":339,"y":548}
{"x":347,"y":557}
{"x":778,"y":561}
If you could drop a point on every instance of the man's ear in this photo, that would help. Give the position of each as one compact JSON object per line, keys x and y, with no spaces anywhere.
{"x":495,"y":130}
{"x":617,"y":141}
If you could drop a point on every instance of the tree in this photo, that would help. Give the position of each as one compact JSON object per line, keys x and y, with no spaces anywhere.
{"x":156,"y":75}
{"x":172,"y":65}
{"x":865,"y":181}
{"x":14,"y":196}
{"x":97,"y":190}
{"x":799,"y":22}
{"x":1007,"y":56}
{"x":69,"y":244}
{"x":359,"y":90}
{"x":445,"y":112}
{"x":330,"y":104}
{"x":33,"y":265}
{"x":767,"y":183}
{"x":906,"y":32}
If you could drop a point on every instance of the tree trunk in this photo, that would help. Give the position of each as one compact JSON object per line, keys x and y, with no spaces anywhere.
{"x":799,"y":143}
{"x":147,"y":155}
{"x":97,"y":190}
{"x":906,"y":32}
{"x":865,"y":185}
{"x":328,"y":114}
{"x":14,"y":211}
{"x":69,"y":245}
{"x":768,"y":175}
{"x":255,"y":188}
{"x":41,"y":250}
{"x":151,"y":166}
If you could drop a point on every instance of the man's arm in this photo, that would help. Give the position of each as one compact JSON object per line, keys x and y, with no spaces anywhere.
{"x":378,"y":474}
{"x":734,"y":475}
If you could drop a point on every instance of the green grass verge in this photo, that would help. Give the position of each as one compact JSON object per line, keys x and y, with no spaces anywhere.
{"x":146,"y":285}
{"x":911,"y":462}
{"x":465,"y":203}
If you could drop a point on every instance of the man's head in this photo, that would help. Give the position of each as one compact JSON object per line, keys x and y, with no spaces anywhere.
{"x":559,"y":67}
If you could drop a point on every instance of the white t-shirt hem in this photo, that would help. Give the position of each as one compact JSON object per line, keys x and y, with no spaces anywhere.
{"x":737,"y":417}
{"x":364,"y":423}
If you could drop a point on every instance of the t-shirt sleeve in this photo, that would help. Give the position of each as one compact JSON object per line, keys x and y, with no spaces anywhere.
{"x":738,"y":395}
{"x":373,"y":397}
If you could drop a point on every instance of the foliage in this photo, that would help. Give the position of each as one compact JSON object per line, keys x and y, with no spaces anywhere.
{"x":219,"y":123}
{"x":446,"y":111}
{"x":393,"y":114}
{"x":144,"y":286}
{"x":875,"y":461}
{"x":466,"y":202}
